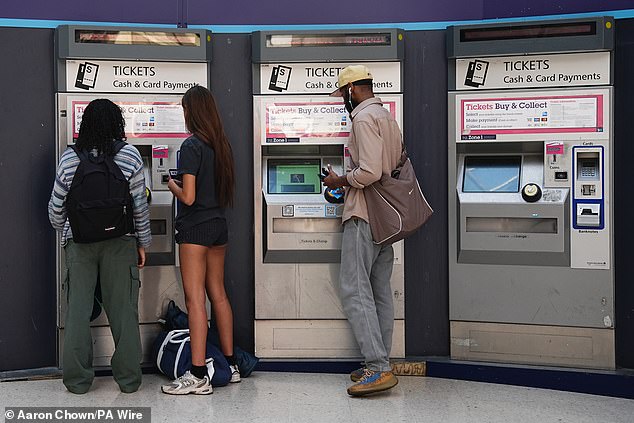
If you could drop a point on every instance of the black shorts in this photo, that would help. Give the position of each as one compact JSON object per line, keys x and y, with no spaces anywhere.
{"x":212,"y":232}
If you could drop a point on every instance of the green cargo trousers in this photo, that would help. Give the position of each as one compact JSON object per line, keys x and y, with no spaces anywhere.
{"x":114,"y":261}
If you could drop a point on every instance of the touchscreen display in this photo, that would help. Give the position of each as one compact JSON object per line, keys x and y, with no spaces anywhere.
{"x":293,"y":176}
{"x":492,"y":174}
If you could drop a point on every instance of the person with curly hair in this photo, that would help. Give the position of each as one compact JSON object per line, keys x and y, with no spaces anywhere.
{"x":114,"y":262}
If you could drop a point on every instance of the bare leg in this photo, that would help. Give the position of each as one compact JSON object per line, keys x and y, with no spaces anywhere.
{"x":193,"y":268}
{"x":215,"y":285}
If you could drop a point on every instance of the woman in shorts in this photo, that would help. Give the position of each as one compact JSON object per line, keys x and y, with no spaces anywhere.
{"x":204,"y":187}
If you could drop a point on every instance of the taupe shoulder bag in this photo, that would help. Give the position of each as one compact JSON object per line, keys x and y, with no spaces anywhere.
{"x":396,"y":204}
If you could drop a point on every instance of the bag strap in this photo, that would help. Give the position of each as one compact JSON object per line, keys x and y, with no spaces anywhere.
{"x":80,"y":153}
{"x":170,"y":338}
{"x":178,"y":356}
{"x":118,"y":145}
{"x":404,"y":158}
{"x":404,"y":155}
{"x":211,"y":371}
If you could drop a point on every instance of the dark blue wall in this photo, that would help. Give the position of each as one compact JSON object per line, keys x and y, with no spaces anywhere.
{"x":623,"y":153}
{"x":27,"y":168}
{"x":292,"y":12}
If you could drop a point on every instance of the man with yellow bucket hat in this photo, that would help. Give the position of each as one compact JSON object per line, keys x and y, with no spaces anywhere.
{"x":375,"y":146}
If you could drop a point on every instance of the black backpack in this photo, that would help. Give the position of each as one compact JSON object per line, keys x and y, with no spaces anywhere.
{"x":99,"y":203}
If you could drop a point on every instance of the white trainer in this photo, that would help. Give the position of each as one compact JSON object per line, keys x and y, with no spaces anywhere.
{"x":188,"y":384}
{"x":235,"y":374}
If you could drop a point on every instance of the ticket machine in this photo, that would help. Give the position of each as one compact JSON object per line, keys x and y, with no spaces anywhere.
{"x":298,"y":130}
{"x":531,"y":269}
{"x":145,"y":71}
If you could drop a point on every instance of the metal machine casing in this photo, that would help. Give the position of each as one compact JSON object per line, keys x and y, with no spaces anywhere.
{"x":531,"y":279}
{"x":298,"y":234}
{"x":144,"y":71}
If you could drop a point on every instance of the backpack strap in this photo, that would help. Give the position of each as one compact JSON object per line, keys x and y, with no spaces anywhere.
{"x":80,"y":153}
{"x":79,"y":174}
{"x":118,"y":145}
{"x":112,"y":166}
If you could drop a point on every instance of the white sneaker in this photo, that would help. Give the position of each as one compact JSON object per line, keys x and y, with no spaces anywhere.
{"x":235,"y":374}
{"x":188,"y":384}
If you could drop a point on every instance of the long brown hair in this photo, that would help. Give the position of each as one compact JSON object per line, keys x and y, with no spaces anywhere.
{"x":202,"y":120}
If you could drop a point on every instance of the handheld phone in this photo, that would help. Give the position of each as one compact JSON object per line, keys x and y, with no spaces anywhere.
{"x":323,"y":174}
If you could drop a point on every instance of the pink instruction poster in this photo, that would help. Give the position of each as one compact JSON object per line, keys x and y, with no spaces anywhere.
{"x":485,"y":118}
{"x":143,"y":119}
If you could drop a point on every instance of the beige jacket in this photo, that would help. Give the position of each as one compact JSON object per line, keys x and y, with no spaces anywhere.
{"x":375,"y":146}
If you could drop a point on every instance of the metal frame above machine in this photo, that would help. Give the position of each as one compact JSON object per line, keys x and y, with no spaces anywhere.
{"x":330,"y":45}
{"x":547,"y":36}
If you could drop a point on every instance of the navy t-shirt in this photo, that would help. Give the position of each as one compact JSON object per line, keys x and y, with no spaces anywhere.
{"x":197,"y":158}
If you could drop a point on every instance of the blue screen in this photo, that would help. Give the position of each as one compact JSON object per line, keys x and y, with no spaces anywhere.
{"x":492,"y":174}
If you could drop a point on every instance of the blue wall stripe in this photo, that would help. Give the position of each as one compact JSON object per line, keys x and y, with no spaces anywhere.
{"x":408,"y":26}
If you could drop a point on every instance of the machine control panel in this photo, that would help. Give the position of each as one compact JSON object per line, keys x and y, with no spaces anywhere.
{"x":588,"y":195}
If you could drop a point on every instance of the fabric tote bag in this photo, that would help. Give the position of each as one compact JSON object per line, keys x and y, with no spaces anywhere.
{"x":396,"y":204}
{"x":173,"y":356}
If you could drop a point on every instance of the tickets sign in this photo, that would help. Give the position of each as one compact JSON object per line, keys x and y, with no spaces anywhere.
{"x":533,"y":71}
{"x":133,"y":77}
{"x":322,"y":78}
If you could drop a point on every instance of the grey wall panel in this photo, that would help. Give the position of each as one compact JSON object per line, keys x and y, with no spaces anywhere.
{"x":27,"y":169}
{"x":231,"y":85}
{"x":623,"y":200}
{"x":425,"y":134}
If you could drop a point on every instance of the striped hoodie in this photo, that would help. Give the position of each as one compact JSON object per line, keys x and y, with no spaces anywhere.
{"x":129,"y":161}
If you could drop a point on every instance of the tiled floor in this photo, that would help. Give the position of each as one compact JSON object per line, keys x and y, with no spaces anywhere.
{"x":301,"y":397}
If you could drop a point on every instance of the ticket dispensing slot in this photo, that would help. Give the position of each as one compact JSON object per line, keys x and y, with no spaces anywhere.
{"x":588,"y":187}
{"x":301,"y":226}
{"x":502,"y":212}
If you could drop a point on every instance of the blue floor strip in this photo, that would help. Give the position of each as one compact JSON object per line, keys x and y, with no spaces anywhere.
{"x":608,"y":383}
{"x":619,"y":383}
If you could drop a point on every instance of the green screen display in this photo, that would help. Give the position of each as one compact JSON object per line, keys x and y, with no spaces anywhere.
{"x":293,"y":176}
